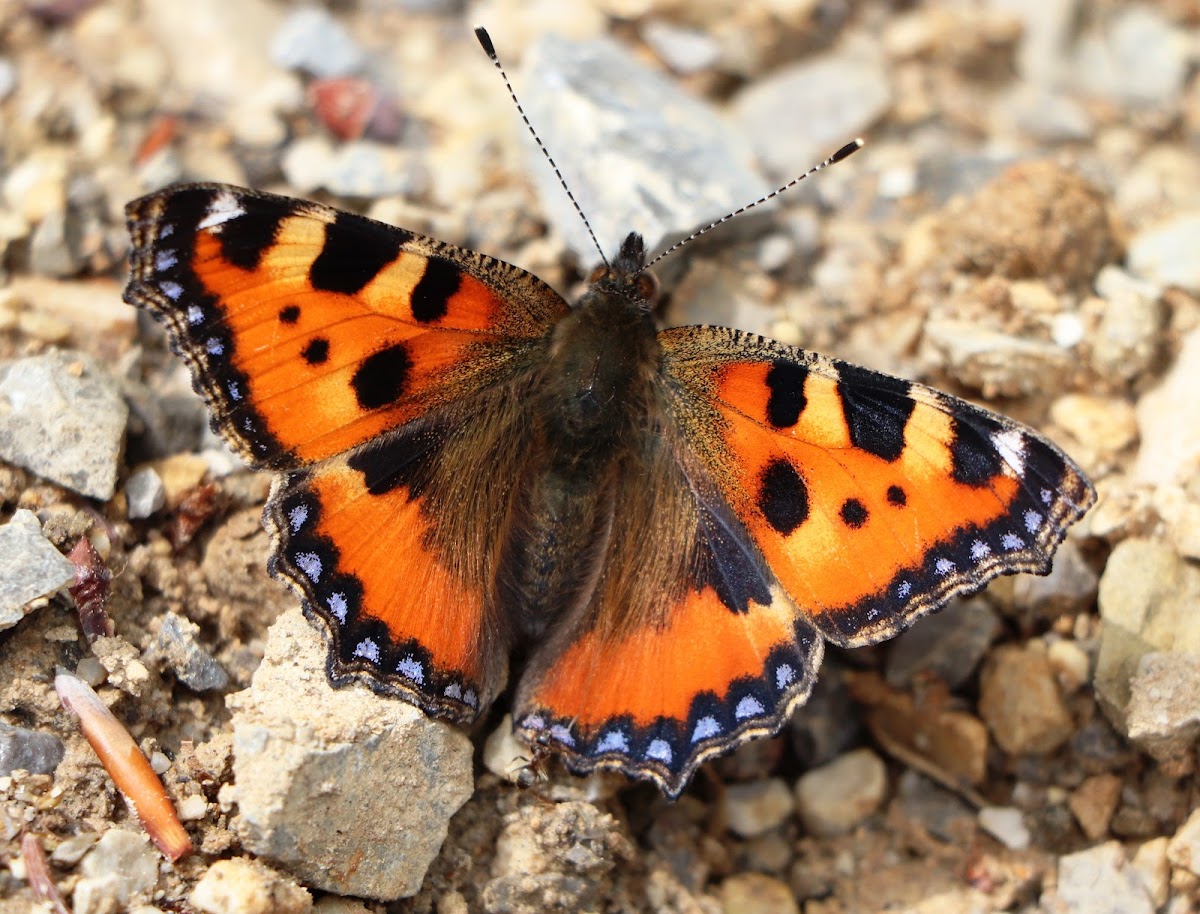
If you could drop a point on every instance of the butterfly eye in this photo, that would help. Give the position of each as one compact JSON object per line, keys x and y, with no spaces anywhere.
{"x":597,"y":274}
{"x":646,"y":286}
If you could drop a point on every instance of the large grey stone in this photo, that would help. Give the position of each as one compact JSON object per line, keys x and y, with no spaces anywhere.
{"x":30,"y":567}
{"x":63,"y":417}
{"x":348,"y":791}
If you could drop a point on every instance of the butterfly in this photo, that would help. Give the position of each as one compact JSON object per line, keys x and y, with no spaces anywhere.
{"x":657,"y":529}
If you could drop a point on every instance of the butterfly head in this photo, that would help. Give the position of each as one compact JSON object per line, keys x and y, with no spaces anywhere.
{"x":627,"y":275}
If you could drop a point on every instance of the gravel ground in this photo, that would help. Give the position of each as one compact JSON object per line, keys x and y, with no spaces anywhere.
{"x":1022,"y":229}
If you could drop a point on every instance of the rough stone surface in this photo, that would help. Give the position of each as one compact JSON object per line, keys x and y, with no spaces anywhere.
{"x":1168,"y":420}
{"x":243,"y":886}
{"x":757,"y":893}
{"x":1006,"y":824}
{"x":1020,"y":702}
{"x":63,"y":417}
{"x":948,"y":645}
{"x":181,"y":651}
{"x":121,"y":868}
{"x":311,"y":762}
{"x":1163,"y":716}
{"x":144,"y":493}
{"x":619,"y":117}
{"x":1147,"y":599}
{"x":1183,"y":850}
{"x":1167,"y":253}
{"x":834,"y":798}
{"x":1098,"y":881}
{"x":36,"y":752}
{"x":30,"y":567}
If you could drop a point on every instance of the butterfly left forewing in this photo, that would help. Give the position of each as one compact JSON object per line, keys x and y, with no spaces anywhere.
{"x":309,"y":330}
{"x":874,"y":500}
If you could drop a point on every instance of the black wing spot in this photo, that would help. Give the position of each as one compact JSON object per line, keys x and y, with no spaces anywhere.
{"x":244,"y":240}
{"x":854,"y":513}
{"x":783,"y":496}
{"x":786,"y":380}
{"x":355,"y":250}
{"x":976,"y":460}
{"x":380,"y":380}
{"x":316,"y":352}
{"x":289,"y":314}
{"x":897,"y":496}
{"x":877,"y":407}
{"x":432,"y":293}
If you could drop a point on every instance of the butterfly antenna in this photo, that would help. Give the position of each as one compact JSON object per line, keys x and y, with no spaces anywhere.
{"x":847,"y":150}
{"x":485,"y":41}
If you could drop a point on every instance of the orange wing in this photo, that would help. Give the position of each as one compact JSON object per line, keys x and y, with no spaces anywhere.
{"x":384,"y":371}
{"x":873,"y":500}
{"x":310,"y":331}
{"x":687,"y":647}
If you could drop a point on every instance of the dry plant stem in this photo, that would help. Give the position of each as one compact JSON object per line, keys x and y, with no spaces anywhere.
{"x":127,"y":766}
{"x":37,"y":872}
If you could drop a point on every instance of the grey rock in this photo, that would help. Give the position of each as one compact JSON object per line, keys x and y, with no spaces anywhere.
{"x":841,"y":94}
{"x":8,"y":78}
{"x":939,"y":811}
{"x":833,"y":799}
{"x":368,"y":170}
{"x":313,"y":40}
{"x":1166,"y":253}
{"x":1070,"y":584}
{"x":1098,"y":881}
{"x":54,"y":248}
{"x":144,"y":493}
{"x":756,"y":807}
{"x":325,"y":776}
{"x":948,"y":645}
{"x":63,"y":417}
{"x":1147,"y":600}
{"x":1047,"y":28}
{"x":32,"y":750}
{"x":829,"y":722}
{"x":1114,"y":63}
{"x":638,"y":153}
{"x":682,"y":49}
{"x":1163,"y":715}
{"x":30,"y":567}
{"x":122,"y":868}
{"x":178,"y":646}
{"x":1007,"y":825}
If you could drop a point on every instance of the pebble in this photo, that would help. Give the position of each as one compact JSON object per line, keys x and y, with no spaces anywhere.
{"x":314,"y":40}
{"x":64,"y":419}
{"x":1093,"y":803}
{"x":682,"y":49}
{"x":1147,"y":599}
{"x":756,"y":893}
{"x":30,"y":567}
{"x":1150,"y":862}
{"x":1113,"y":63}
{"x":55,"y":246}
{"x":8,"y":78}
{"x":366,"y":170}
{"x":1168,"y":420}
{"x":245,"y":886}
{"x":1070,"y":585}
{"x":311,"y":763}
{"x":144,"y":494}
{"x":122,"y":867}
{"x":1007,"y":825}
{"x":833,"y":799}
{"x":756,"y":807}
{"x":949,"y":645}
{"x":1163,"y":715}
{"x":36,"y":186}
{"x":178,"y":645}
{"x":1183,"y":850}
{"x":32,"y":750}
{"x":936,"y":809}
{"x":828,"y":724}
{"x":1098,"y":881}
{"x":1165,"y":253}
{"x":842,"y":93}
{"x":1127,"y":342}
{"x":602,"y":112}
{"x":1019,"y":700}
{"x":1103,"y":428}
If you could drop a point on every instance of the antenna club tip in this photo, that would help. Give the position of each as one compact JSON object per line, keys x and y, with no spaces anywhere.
{"x":849,"y":149}
{"x":485,"y":41}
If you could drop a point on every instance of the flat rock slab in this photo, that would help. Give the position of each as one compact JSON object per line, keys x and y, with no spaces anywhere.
{"x":30,"y":567}
{"x":63,"y":417}
{"x":348,"y":791}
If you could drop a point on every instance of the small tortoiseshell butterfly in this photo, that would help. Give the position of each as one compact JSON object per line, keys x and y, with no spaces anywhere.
{"x":664,"y":526}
